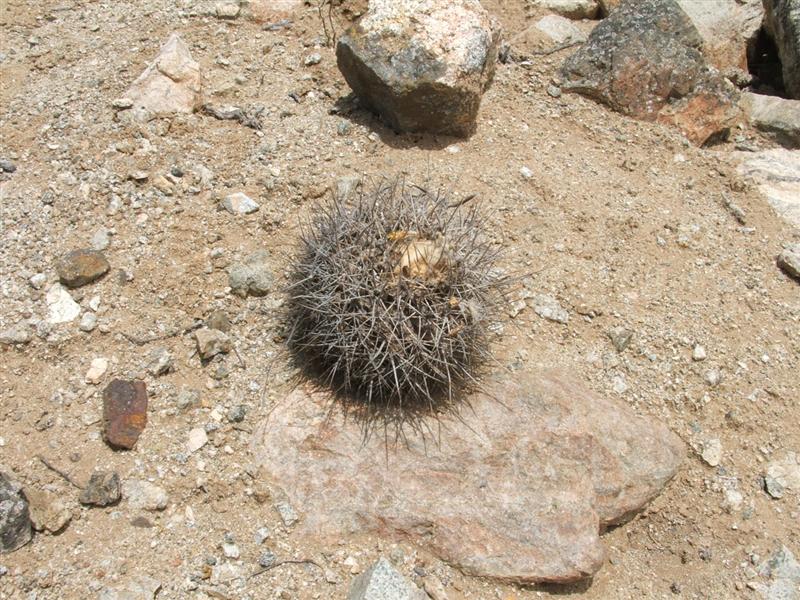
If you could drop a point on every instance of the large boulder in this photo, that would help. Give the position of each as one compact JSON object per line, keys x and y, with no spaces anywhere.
{"x":644,"y":60}
{"x":423,"y":65}
{"x":776,"y":116}
{"x":783,"y":24}
{"x":517,"y":488}
{"x":776,"y":172}
{"x":171,"y":84}
{"x":726,"y":28}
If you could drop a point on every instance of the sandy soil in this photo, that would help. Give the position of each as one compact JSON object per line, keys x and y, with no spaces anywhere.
{"x":621,"y":219}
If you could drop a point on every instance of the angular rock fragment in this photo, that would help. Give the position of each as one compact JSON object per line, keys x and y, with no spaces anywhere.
{"x":645,"y":61}
{"x":143,"y":495}
{"x":789,"y":261}
{"x":776,"y":116}
{"x":15,"y":520}
{"x":61,"y":307}
{"x":211,"y":342}
{"x":172,"y":83}
{"x":124,"y":412}
{"x":48,"y":512}
{"x":383,"y":582}
{"x":517,"y":489}
{"x":80,"y":267}
{"x":783,"y":23}
{"x":777,"y":174}
{"x":252,"y":276}
{"x":103,"y":489}
{"x":422,"y":65}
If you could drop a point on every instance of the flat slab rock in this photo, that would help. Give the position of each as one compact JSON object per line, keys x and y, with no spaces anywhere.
{"x":776,"y":172}
{"x":518,"y":490}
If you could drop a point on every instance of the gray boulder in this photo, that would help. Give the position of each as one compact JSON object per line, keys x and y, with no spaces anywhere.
{"x":421,"y":65}
{"x":783,"y":24}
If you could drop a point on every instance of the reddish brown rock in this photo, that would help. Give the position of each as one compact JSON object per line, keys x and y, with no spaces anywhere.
{"x":645,"y":61}
{"x":124,"y":412}
{"x":80,"y":267}
{"x":518,"y":489}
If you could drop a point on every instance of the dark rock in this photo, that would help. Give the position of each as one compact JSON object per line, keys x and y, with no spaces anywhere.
{"x":422,"y":66}
{"x":15,"y":520}
{"x":516,"y":489}
{"x":80,"y":267}
{"x":102,"y":490}
{"x":124,"y":412}
{"x":7,"y":166}
{"x":783,"y":23}
{"x":644,"y":60}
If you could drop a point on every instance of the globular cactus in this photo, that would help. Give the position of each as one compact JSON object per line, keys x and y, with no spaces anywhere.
{"x":392,"y":299}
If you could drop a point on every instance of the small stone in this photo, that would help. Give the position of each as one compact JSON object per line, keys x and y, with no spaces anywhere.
{"x":713,"y":377}
{"x":230,"y":550}
{"x":267,"y":559}
{"x":187,"y":399}
{"x":560,"y":29}
{"x":252,"y":277}
{"x":122,"y":103}
{"x":7,"y":166}
{"x":143,"y":495}
{"x":88,"y":322}
{"x":435,"y":589}
{"x":61,"y":306}
{"x":225,"y":574}
{"x":197,"y":439}
{"x":38,"y":281}
{"x":237,"y":413}
{"x":100,"y":240}
{"x":18,"y":334}
{"x":81,"y":267}
{"x":163,"y":185}
{"x":783,"y":475}
{"x":620,"y":338}
{"x":103,"y":489}
{"x":346,"y":187}
{"x":160,"y":362}
{"x":239,"y":204}
{"x":15,"y":521}
{"x":554,"y":91}
{"x":287,"y":513}
{"x":261,"y":535}
{"x":211,"y":342}
{"x":698,"y":353}
{"x":48,"y":512}
{"x":96,"y":370}
{"x":139,"y":176}
{"x":124,"y":412}
{"x":548,"y":308}
{"x":312,"y":59}
{"x":712,"y":452}
{"x":526,"y":172}
{"x":219,"y":320}
{"x":227,"y":10}
{"x":789,"y":261}
{"x":383,"y":582}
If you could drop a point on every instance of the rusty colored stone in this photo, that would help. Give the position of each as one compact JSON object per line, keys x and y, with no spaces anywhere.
{"x":80,"y":267}
{"x":517,"y":489}
{"x":124,"y":412}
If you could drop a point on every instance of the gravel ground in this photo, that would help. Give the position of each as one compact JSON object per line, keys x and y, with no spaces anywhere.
{"x":621,"y":223}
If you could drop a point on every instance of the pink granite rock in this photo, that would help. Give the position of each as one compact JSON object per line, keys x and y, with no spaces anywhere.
{"x":517,"y":490}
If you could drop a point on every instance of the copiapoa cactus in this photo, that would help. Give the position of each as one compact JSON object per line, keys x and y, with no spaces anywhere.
{"x":392,"y":299}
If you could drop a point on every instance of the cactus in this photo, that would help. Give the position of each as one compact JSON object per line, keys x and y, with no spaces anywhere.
{"x":392,"y":299}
